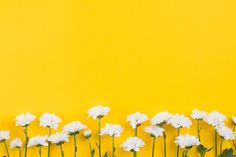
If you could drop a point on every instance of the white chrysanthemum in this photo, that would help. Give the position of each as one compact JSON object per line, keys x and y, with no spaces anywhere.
{"x":74,"y":127}
{"x":160,"y":118}
{"x":155,"y":131}
{"x":187,"y":141}
{"x":38,"y":141}
{"x":133,"y":144}
{"x":225,"y":132}
{"x":98,"y":111}
{"x":4,"y":135}
{"x":112,"y":130}
{"x":215,"y":119}
{"x":87,"y":133}
{"x":25,"y":119}
{"x":16,"y":143}
{"x":136,"y":119}
{"x":49,"y":120}
{"x":179,"y":121}
{"x":198,"y":115}
{"x":58,"y":138}
{"x":234,"y":119}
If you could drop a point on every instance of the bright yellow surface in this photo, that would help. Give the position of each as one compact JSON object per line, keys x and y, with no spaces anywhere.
{"x":152,"y":55}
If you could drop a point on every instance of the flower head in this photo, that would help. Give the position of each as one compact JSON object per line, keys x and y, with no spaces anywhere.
{"x":49,"y":120}
{"x":74,"y":127}
{"x":225,"y":132}
{"x":25,"y":119}
{"x":198,"y":115}
{"x":215,"y":119}
{"x":187,"y":141}
{"x":98,"y":111}
{"x":58,"y":138}
{"x":136,"y":119}
{"x":38,"y":141}
{"x":179,"y":121}
{"x":4,"y":135}
{"x":87,"y":133}
{"x":16,"y":143}
{"x":112,"y":130}
{"x":234,"y":119}
{"x":154,"y":131}
{"x":160,"y":118}
{"x":133,"y":144}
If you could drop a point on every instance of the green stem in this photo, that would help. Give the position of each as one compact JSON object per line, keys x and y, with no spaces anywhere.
{"x":62,"y":152}
{"x":40,"y":151}
{"x":178,"y":131}
{"x":136,"y":131}
{"x":113,"y":146}
{"x":216,"y":146}
{"x":49,"y":143}
{"x":99,"y":138}
{"x":134,"y":153}
{"x":75,"y":145}
{"x":19,"y":152}
{"x":164,"y":135}
{"x":153,"y":146}
{"x":198,"y":130}
{"x":221,"y":146}
{"x":90,"y":148}
{"x":26,"y":139}
{"x":186,"y":153}
{"x":6,"y":148}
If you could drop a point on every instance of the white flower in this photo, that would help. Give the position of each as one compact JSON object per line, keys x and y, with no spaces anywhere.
{"x":160,"y":118}
{"x":38,"y":141}
{"x":112,"y":130}
{"x":87,"y":133}
{"x":155,"y":131}
{"x":225,"y":132}
{"x":74,"y":127}
{"x":215,"y":119}
{"x":4,"y":135}
{"x":136,"y":119}
{"x":187,"y":141}
{"x":25,"y":119}
{"x":234,"y":119}
{"x":58,"y":138}
{"x":16,"y":143}
{"x":98,"y":111}
{"x":179,"y":121}
{"x":49,"y":120}
{"x":198,"y":115}
{"x":133,"y":144}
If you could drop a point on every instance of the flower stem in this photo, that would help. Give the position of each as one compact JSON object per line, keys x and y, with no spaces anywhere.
{"x":198,"y":129}
{"x":221,"y":146}
{"x":113,"y":146}
{"x":75,"y":146}
{"x":19,"y":152}
{"x":99,"y":138}
{"x":134,"y":153}
{"x":6,"y":148}
{"x":49,"y":143}
{"x":26,"y":139}
{"x":164,"y":135}
{"x":216,"y":146}
{"x":40,"y":151}
{"x":90,"y":148}
{"x":136,"y":131}
{"x":153,"y":146}
{"x":178,"y":131}
{"x":62,"y":152}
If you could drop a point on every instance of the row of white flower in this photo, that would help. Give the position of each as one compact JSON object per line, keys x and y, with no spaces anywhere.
{"x":133,"y":143}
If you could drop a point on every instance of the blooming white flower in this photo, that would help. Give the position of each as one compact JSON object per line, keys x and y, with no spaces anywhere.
{"x":4,"y":135}
{"x":154,"y":131}
{"x":133,"y":144}
{"x":234,"y":119}
{"x":25,"y":119}
{"x":187,"y":141}
{"x":16,"y":143}
{"x":136,"y":119}
{"x":112,"y":130}
{"x":225,"y":132}
{"x":58,"y":138}
{"x":198,"y":115}
{"x":179,"y":121}
{"x":98,"y":111}
{"x":74,"y":127}
{"x":87,"y":133}
{"x":160,"y":118}
{"x":49,"y":120}
{"x":38,"y":141}
{"x":215,"y":119}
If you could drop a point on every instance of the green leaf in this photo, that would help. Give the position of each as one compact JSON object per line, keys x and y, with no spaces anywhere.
{"x":93,"y":152}
{"x":203,"y":150}
{"x":227,"y":153}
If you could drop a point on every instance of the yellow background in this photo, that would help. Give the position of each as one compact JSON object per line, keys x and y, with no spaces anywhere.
{"x":133,"y":55}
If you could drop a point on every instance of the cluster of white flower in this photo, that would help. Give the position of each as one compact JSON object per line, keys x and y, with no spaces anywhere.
{"x":215,"y":119}
{"x":58,"y":138}
{"x":49,"y":120}
{"x":4,"y":135}
{"x":154,"y":131}
{"x":161,"y":118}
{"x":98,"y":111}
{"x":187,"y":141}
{"x":133,"y":144}
{"x":225,"y":132}
{"x":136,"y":119}
{"x":24,"y":119}
{"x":179,"y":121}
{"x":38,"y":141}
{"x":198,"y":115}
{"x":16,"y":143}
{"x":112,"y":130}
{"x":74,"y":127}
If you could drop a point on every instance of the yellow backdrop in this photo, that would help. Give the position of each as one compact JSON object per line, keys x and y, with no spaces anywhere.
{"x":64,"y":56}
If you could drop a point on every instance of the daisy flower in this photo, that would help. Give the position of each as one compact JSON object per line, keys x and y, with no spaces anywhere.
{"x":136,"y":119}
{"x":59,"y":139}
{"x":5,"y":135}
